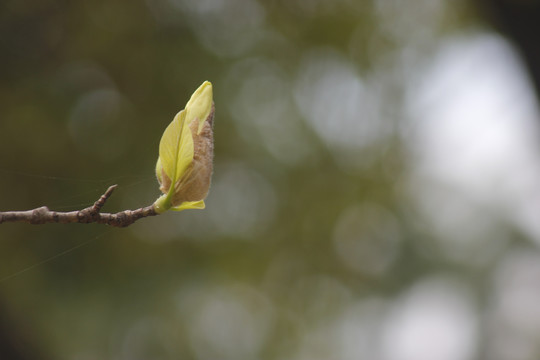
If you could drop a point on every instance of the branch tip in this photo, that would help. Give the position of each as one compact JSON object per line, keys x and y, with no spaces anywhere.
{"x":101,"y":201}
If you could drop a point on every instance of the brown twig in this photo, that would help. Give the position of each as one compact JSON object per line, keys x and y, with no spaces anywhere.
{"x":92,"y":214}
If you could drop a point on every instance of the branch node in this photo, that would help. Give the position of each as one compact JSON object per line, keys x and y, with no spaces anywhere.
{"x":38,"y":216}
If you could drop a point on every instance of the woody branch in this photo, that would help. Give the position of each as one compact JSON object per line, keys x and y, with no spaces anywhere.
{"x":92,"y":214}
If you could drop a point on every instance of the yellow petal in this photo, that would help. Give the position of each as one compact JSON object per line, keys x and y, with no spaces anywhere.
{"x":189,"y":205}
{"x":200,"y":104}
{"x":176,"y":148}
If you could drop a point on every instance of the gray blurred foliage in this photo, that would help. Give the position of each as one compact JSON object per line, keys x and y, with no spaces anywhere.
{"x":313,"y":244}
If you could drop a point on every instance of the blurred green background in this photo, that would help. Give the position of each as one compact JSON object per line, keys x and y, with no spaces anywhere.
{"x":375,"y":193}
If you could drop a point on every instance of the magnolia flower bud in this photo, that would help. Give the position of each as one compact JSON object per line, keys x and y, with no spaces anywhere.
{"x":186,"y":150}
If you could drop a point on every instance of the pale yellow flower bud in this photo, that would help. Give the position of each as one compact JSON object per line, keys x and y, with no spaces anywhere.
{"x":186,"y":150}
